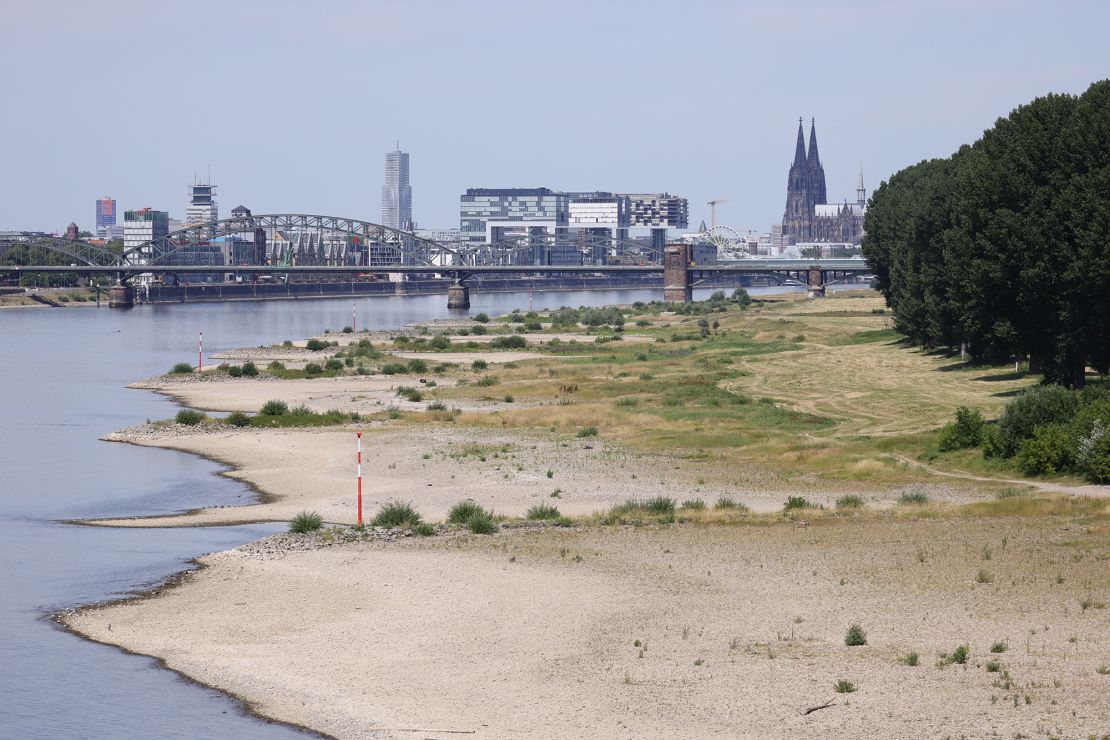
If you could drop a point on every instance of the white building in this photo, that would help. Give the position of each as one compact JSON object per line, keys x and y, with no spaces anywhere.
{"x":142,"y":226}
{"x":397,"y":192}
{"x":202,"y":205}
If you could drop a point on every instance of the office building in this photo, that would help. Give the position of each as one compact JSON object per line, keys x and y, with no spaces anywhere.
{"x":105,"y":217}
{"x":143,"y":226}
{"x":397,"y":192}
{"x":202,"y":207}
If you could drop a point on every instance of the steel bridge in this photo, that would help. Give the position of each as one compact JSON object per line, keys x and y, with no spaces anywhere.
{"x":347,"y":246}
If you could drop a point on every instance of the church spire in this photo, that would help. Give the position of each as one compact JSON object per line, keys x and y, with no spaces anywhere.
{"x":814,"y":157}
{"x":800,"y":149}
{"x":861,"y":191}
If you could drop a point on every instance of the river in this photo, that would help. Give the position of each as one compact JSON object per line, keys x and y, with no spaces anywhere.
{"x":61,"y":388}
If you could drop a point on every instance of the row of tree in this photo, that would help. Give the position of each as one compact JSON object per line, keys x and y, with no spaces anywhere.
{"x":1004,"y":247}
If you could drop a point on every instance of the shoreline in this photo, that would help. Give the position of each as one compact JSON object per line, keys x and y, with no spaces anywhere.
{"x":484,"y":559}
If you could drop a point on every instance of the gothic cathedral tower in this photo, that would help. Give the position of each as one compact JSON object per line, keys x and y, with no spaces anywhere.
{"x":799,"y":211}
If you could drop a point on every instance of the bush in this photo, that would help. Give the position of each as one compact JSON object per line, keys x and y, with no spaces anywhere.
{"x":1038,"y":406}
{"x":913,"y":498}
{"x":724,"y":502}
{"x":478,"y":330}
{"x":542,"y":512}
{"x":250,"y":369}
{"x":313,"y":368}
{"x":397,"y":514}
{"x":851,"y":501}
{"x":511,"y":342}
{"x":316,"y":345}
{"x":393,"y":368}
{"x":189,"y":417}
{"x":417,"y":366}
{"x":844,"y":686}
{"x":657,"y":506}
{"x":855,"y":636}
{"x":235,"y":371}
{"x":479,"y":365}
{"x":481,"y":523}
{"x":1048,"y":452}
{"x":586,"y":432}
{"x":440,"y":342}
{"x":181,"y":367}
{"x":509,"y":398}
{"x":347,"y":330}
{"x":481,"y":317}
{"x":966,"y":431}
{"x":1092,"y":455}
{"x":274,"y":408}
{"x":306,"y":521}
{"x":423,"y":529}
{"x":276,"y":365}
{"x":694,"y":504}
{"x":462,"y":511}
{"x":238,"y":419}
{"x":797,"y":502}
{"x":333,"y":364}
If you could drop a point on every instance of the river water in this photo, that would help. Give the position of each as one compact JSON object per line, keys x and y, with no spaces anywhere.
{"x":61,"y":387}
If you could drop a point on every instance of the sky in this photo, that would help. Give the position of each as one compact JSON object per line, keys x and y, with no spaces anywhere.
{"x":293,"y":104}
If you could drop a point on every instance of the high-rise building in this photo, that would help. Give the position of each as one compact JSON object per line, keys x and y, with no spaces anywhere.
{"x":202,"y":205}
{"x":143,"y":226}
{"x":105,"y":217}
{"x":808,"y":216}
{"x":397,"y":192}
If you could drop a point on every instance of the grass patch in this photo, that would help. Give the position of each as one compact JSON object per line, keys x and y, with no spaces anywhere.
{"x":462,"y":511}
{"x":851,"y":501}
{"x":844,"y":686}
{"x":855,"y":636}
{"x":541,"y":512}
{"x":397,"y":514}
{"x":181,"y":368}
{"x":913,"y":498}
{"x":305,"y":522}
{"x":188,"y":417}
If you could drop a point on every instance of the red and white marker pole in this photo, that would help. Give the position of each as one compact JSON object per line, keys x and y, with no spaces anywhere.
{"x":354,"y":319}
{"x":200,"y":352}
{"x":359,"y":435}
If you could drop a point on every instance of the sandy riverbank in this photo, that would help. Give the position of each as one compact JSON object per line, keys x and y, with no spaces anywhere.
{"x":651,"y":633}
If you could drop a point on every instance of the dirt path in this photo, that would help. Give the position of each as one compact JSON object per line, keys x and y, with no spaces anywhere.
{"x":1043,"y":486}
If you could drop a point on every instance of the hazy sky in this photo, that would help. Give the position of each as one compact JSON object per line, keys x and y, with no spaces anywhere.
{"x":293,"y":104}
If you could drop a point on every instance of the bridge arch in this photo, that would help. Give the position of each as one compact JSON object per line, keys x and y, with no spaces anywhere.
{"x":79,"y":251}
{"x":577,"y":248}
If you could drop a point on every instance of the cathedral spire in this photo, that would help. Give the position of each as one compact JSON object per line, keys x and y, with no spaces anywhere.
{"x":800,"y":149}
{"x":861,"y":191}
{"x":814,"y":157}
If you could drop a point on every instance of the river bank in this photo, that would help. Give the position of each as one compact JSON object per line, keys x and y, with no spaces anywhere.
{"x":731,"y":623}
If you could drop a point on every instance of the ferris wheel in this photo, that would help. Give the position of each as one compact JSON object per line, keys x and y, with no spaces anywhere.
{"x":729,"y":243}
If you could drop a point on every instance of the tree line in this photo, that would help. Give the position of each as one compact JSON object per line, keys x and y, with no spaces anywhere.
{"x":1003,"y":248}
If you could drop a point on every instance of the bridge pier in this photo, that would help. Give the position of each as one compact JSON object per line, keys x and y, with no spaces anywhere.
{"x":816,"y":281}
{"x":121,"y":296}
{"x":458,"y":296}
{"x":676,"y":273}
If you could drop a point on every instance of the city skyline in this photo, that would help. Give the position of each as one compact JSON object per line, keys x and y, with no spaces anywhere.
{"x":894,"y":85}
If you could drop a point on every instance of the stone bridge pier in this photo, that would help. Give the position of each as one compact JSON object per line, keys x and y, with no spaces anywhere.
{"x":458,"y":295}
{"x":121,"y":296}
{"x":677,"y":286}
{"x":816,"y":282}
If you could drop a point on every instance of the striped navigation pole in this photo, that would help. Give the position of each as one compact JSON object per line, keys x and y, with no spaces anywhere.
{"x":200,"y":352}
{"x":359,"y":458}
{"x":354,"y":319}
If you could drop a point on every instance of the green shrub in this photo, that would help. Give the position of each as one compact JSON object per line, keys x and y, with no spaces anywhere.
{"x":992,"y":441}
{"x":410,"y":393}
{"x":440,"y":342}
{"x":250,"y":369}
{"x":725,"y":502}
{"x":478,"y":330}
{"x":960,"y":654}
{"x":851,"y":501}
{"x":1049,"y":451}
{"x":189,"y":417}
{"x":586,"y":432}
{"x":437,"y":406}
{"x":423,"y":529}
{"x":333,"y":365}
{"x":913,"y":498}
{"x":966,"y":431}
{"x":508,"y":398}
{"x":417,"y":366}
{"x":511,"y":342}
{"x":911,"y":658}
{"x":276,"y":365}
{"x":238,"y":419}
{"x":181,"y":367}
{"x":662,"y":506}
{"x":313,"y":368}
{"x":274,"y":408}
{"x":481,"y":317}
{"x":998,"y":647}
{"x":844,"y":686}
{"x":486,"y":381}
{"x":393,"y":368}
{"x":397,"y":514}
{"x":462,"y":511}
{"x":316,"y":345}
{"x":1039,"y":406}
{"x":695,"y":504}
{"x":542,"y":512}
{"x":306,"y":521}
{"x":1092,"y":455}
{"x":482,"y":523}
{"x":347,"y":330}
{"x":855,"y":636}
{"x":235,"y":371}
{"x":797,"y":502}
{"x":479,"y":365}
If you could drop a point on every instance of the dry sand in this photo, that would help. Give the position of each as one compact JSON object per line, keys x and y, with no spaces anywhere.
{"x":741,"y":629}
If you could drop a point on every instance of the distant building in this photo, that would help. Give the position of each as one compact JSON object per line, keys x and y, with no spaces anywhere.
{"x":143,"y":226}
{"x":202,"y":207}
{"x":72,"y":232}
{"x":443,"y":236}
{"x":397,"y":192}
{"x":105,"y":217}
{"x":808,"y":216}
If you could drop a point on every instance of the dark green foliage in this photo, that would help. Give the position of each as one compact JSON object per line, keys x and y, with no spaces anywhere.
{"x":913,"y":498}
{"x":423,"y":529}
{"x":479,"y":365}
{"x":1002,"y":247}
{"x":235,"y":371}
{"x":440,"y":342}
{"x":481,"y":523}
{"x":238,"y":419}
{"x":695,"y":504}
{"x":181,"y":367}
{"x":313,"y":368}
{"x":851,"y":501}
{"x":797,"y":502}
{"x":305,"y":522}
{"x":347,"y":330}
{"x":316,"y":345}
{"x":274,"y":408}
{"x":417,"y":366}
{"x":844,"y":686}
{"x":478,"y":330}
{"x":586,"y":432}
{"x":1038,"y":406}
{"x":1049,"y":451}
{"x":659,"y":506}
{"x":541,"y":512}
{"x":393,"y":368}
{"x":855,"y":636}
{"x":333,"y":364}
{"x":481,"y":317}
{"x":250,"y":369}
{"x":966,"y":431}
{"x":397,"y":514}
{"x":189,"y":417}
{"x":514,"y":341}
{"x":276,"y":365}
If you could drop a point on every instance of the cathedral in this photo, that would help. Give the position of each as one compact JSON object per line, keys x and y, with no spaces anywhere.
{"x":809,"y":217}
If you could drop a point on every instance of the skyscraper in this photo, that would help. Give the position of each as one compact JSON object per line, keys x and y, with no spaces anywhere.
{"x":397,"y":193}
{"x":202,"y":205}
{"x":105,"y":217}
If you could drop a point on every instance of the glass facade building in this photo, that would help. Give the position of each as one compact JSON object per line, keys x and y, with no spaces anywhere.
{"x":105,"y":217}
{"x":397,"y":192}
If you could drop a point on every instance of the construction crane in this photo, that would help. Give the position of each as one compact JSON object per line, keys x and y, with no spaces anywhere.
{"x":713,"y":211}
